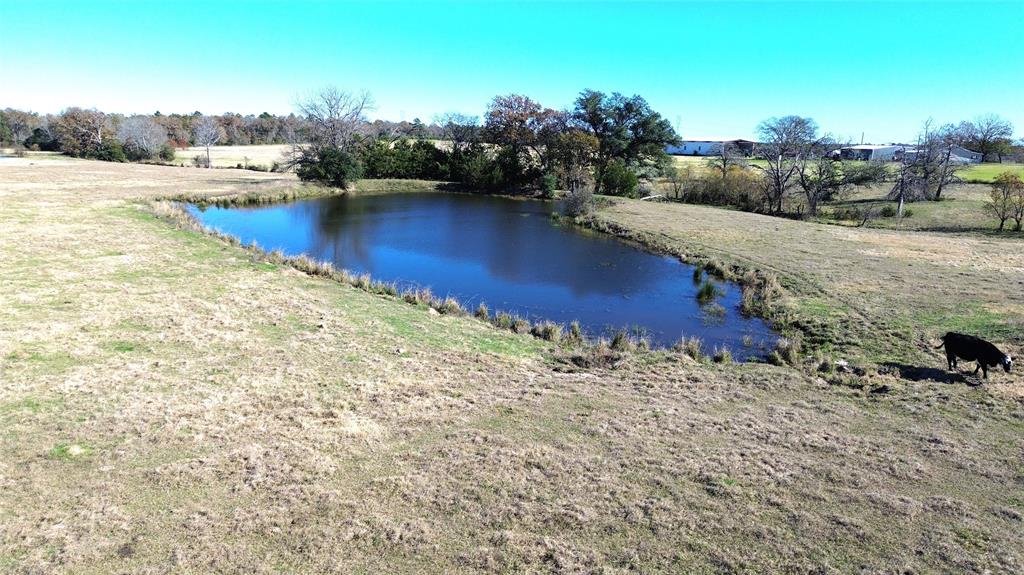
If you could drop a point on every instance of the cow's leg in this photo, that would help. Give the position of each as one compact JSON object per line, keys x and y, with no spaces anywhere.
{"x":977,"y":368}
{"x":984,"y":370}
{"x":951,"y":360}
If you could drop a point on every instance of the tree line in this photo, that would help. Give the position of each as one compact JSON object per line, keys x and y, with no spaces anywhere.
{"x":91,"y":133}
{"x":601,"y":144}
{"x":605,"y":143}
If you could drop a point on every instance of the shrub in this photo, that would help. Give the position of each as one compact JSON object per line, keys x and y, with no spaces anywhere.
{"x":713,"y":312}
{"x":619,"y":180}
{"x":385,"y":288}
{"x":450,"y":306}
{"x":514,"y":171}
{"x":548,"y":183}
{"x":847,"y":214}
{"x":575,"y":332}
{"x":482,"y":312}
{"x":691,"y":346}
{"x":548,"y":331}
{"x":42,"y":140}
{"x":482,"y":173}
{"x":888,"y":211}
{"x":722,"y":355}
{"x":787,"y":350}
{"x":579,"y":202}
{"x":748,"y":299}
{"x":200,"y":161}
{"x":420,"y":159}
{"x":698,"y":273}
{"x":520,"y":325}
{"x":621,"y":341}
{"x":166,"y":153}
{"x":503,"y":320}
{"x":110,"y":150}
{"x":330,"y":165}
{"x":738,"y":188}
{"x":707,"y":292}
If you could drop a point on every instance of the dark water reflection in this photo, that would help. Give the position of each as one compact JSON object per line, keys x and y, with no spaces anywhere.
{"x":507,"y":253}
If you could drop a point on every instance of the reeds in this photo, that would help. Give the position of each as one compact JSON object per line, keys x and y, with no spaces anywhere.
{"x":692,"y":347}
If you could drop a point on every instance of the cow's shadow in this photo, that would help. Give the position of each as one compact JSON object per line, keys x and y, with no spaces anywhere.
{"x":919,"y":373}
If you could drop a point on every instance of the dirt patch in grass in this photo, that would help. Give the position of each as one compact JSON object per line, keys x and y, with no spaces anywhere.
{"x":167,"y":404}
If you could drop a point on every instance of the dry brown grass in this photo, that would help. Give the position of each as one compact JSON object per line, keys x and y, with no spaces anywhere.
{"x":230,"y":156}
{"x":168,"y":404}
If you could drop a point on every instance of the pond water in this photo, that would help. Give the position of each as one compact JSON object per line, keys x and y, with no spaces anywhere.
{"x":507,"y":253}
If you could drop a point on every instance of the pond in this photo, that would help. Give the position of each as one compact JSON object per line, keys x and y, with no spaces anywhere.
{"x":507,"y":253}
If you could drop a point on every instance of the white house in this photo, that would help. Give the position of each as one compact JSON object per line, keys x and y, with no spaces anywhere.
{"x":867,"y":152}
{"x":893,"y":153}
{"x":710,"y":147}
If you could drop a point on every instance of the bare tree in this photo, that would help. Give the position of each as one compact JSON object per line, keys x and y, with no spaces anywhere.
{"x":1018,"y":207}
{"x":461,"y":130}
{"x":333,"y":120}
{"x":822,"y":177}
{"x":142,"y":136}
{"x":1000,"y":202}
{"x":926,"y":169}
{"x":988,"y":134}
{"x":677,"y":177}
{"x":728,"y":156}
{"x":207,"y":131}
{"x":818,"y":175}
{"x":784,"y":141}
{"x":1006,"y":200}
{"x":334,"y":117}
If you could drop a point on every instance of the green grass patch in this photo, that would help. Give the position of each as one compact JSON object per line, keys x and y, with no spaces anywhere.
{"x":416,"y":326}
{"x":120,"y":346}
{"x":42,"y":362}
{"x":968,"y":317}
{"x":986,"y":173}
{"x":69,"y":451}
{"x":31,"y":405}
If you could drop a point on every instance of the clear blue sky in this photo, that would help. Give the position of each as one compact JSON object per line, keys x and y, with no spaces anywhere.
{"x":715,"y":67}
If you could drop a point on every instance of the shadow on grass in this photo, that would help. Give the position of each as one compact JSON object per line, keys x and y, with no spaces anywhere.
{"x":919,"y":373}
{"x":972,"y":230}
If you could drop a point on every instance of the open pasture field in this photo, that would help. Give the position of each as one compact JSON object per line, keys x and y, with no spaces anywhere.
{"x":883,"y":295}
{"x":986,"y":173}
{"x":962,"y":209}
{"x":231,"y":156}
{"x":170,"y":404}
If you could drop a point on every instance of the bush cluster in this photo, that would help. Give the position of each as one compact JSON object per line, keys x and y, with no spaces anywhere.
{"x":619,"y":180}
{"x":329,"y":165}
{"x":739,"y":189}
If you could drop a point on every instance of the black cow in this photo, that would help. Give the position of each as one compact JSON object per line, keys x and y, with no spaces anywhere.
{"x":970,"y":348}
